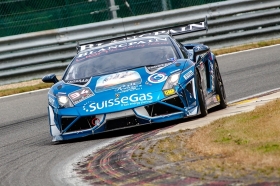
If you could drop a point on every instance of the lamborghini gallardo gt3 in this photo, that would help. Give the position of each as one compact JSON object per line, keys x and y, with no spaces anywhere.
{"x":133,"y":80}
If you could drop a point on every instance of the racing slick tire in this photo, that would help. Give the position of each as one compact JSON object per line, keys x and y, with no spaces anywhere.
{"x":200,"y":95}
{"x":219,"y":86}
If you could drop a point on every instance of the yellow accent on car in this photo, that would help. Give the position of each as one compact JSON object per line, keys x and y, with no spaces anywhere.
{"x":218,"y":98}
{"x":169,"y":92}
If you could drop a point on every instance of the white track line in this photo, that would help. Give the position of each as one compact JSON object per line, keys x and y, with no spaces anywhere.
{"x":63,"y":173}
{"x":254,"y":95}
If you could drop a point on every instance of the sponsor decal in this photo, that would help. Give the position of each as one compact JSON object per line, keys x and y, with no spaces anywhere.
{"x":181,"y":29}
{"x":188,"y":75}
{"x":157,"y":67}
{"x":218,"y":98}
{"x":84,"y":80}
{"x":122,"y":81}
{"x":128,"y":87}
{"x":157,"y":77}
{"x":80,"y":95}
{"x":169,"y":92}
{"x":212,"y":75}
{"x":120,"y":46}
{"x":132,"y":100}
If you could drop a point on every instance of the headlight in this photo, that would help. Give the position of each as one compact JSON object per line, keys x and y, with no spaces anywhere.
{"x":51,"y":101}
{"x":64,"y":101}
{"x":172,"y":80}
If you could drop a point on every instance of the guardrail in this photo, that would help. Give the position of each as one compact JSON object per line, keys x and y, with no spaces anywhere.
{"x":231,"y":22}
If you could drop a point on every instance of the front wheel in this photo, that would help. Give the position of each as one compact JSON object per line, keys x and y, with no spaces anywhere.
{"x":219,"y":86}
{"x":200,"y":95}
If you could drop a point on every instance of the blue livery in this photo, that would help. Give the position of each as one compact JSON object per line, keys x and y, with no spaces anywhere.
{"x":134,"y":80}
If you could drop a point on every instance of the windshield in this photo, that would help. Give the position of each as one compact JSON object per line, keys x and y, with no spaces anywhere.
{"x":121,"y":57}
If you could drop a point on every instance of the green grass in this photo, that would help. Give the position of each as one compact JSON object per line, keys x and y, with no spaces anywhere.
{"x":246,"y":144}
{"x":246,"y":47}
{"x":248,"y":139}
{"x":11,"y":91}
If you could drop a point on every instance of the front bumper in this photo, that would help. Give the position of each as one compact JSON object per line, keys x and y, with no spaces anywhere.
{"x":69,"y":123}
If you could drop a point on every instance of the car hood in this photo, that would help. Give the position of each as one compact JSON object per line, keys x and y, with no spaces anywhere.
{"x":122,"y":90}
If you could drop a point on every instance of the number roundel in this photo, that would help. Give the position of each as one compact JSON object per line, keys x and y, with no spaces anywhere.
{"x":80,"y":95}
{"x":157,"y":77}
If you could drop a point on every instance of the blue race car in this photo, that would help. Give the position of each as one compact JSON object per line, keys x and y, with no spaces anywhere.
{"x":138,"y":79}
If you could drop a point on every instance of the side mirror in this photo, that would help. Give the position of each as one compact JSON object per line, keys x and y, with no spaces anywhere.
{"x":50,"y":78}
{"x":198,"y":50}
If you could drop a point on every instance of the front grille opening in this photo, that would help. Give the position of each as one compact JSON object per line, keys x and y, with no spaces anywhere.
{"x":160,"y":109}
{"x":189,"y":88}
{"x":82,"y":124}
{"x":121,"y":123}
{"x":66,"y":121}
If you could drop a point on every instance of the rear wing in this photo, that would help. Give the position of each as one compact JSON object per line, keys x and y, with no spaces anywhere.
{"x":172,"y":31}
{"x":185,"y":29}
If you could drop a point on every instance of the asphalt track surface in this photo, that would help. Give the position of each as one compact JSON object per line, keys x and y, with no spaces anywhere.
{"x":28,"y":157}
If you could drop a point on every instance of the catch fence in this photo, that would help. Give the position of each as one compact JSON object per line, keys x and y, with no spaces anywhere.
{"x":24,"y":16}
{"x":232,"y":22}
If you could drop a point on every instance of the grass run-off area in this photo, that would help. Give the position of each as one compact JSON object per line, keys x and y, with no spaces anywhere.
{"x":240,"y":143}
{"x":25,"y":86}
{"x":238,"y":146}
{"x":21,"y":89}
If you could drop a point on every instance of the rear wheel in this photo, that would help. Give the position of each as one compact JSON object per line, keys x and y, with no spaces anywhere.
{"x":219,"y":85}
{"x":200,"y":95}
